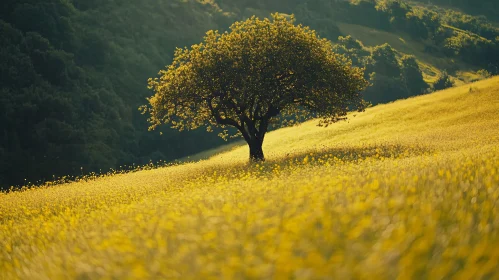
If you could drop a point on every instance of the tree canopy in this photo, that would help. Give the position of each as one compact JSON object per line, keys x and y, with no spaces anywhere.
{"x":259,"y":74}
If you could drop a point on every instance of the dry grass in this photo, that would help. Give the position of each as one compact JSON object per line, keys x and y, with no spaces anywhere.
{"x":405,"y":190}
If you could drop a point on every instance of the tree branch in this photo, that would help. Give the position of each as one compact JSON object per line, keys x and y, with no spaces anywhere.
{"x":225,"y":121}
{"x":216,"y":114}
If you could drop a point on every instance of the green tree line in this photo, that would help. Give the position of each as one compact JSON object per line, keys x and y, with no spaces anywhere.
{"x":72,"y":76}
{"x":489,"y":8}
{"x":473,"y":39}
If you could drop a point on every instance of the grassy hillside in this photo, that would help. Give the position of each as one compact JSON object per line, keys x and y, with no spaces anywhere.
{"x":431,"y":65}
{"x":408,"y":189}
{"x":74,"y":72}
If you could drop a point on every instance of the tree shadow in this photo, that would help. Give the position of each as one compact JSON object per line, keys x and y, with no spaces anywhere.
{"x":338,"y":155}
{"x":207,"y":154}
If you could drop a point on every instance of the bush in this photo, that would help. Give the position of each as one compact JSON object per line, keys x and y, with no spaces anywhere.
{"x":443,"y":82}
{"x":385,"y":89}
{"x":412,"y":75}
{"x":484,"y":74}
{"x":384,"y":61}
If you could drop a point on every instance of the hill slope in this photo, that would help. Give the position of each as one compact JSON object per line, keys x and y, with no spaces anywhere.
{"x":74,"y":72}
{"x":431,"y":65}
{"x":408,"y":189}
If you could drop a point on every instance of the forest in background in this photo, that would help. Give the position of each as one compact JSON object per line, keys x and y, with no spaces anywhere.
{"x":73,"y":73}
{"x":488,"y":8}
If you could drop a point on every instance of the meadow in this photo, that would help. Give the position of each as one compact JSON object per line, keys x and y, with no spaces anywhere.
{"x":406,"y":190}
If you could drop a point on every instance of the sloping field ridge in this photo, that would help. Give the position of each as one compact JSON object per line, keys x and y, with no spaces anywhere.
{"x":406,"y":190}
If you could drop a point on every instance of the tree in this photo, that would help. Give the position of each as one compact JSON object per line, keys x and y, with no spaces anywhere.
{"x":385,"y":61}
{"x":443,"y":82}
{"x":349,"y":42}
{"x":261,"y":73}
{"x":412,"y":75}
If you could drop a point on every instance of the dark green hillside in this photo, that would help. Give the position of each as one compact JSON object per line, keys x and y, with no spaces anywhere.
{"x":73,"y":75}
{"x":489,"y":8}
{"x":74,"y":72}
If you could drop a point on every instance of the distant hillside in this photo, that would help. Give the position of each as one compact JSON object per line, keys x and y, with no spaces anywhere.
{"x":489,"y":8}
{"x":73,"y":74}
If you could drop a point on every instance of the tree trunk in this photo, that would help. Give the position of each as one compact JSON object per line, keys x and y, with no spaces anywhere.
{"x":256,"y":151}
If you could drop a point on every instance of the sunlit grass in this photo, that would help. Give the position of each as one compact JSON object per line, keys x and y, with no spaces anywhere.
{"x":405,"y":190}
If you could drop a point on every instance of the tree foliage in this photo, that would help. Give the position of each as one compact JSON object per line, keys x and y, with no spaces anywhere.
{"x":391,"y":74}
{"x":412,"y":75}
{"x":254,"y":76}
{"x":480,"y":7}
{"x":443,"y":82}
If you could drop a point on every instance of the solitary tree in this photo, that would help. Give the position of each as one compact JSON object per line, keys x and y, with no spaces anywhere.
{"x":261,"y":73}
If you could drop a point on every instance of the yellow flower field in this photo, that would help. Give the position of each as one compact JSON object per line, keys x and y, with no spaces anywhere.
{"x":407,"y":190}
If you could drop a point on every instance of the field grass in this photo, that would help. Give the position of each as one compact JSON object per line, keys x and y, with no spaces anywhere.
{"x":431,"y":65}
{"x":406,"y":190}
